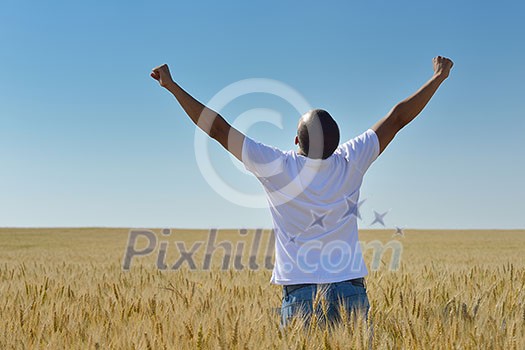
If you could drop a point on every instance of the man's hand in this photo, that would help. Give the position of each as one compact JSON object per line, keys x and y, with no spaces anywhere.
{"x":162,"y":75}
{"x":442,"y":66}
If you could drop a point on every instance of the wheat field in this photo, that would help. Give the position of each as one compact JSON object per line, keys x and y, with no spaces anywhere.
{"x":67,"y":289}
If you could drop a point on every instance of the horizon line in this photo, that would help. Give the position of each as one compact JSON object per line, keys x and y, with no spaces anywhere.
{"x":250,"y":228}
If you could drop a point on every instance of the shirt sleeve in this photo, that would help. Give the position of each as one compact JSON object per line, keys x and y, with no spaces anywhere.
{"x":260,"y":159}
{"x":362,"y":150}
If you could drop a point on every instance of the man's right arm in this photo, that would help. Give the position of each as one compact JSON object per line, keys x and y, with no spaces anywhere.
{"x":407,"y":110}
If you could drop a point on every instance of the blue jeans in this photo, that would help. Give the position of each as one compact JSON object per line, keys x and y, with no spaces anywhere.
{"x":332,"y":299}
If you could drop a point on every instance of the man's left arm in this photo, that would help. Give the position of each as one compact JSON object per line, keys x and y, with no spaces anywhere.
{"x":205,"y":118}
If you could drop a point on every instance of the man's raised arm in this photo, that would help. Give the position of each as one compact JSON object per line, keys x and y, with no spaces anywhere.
{"x":405,"y":111}
{"x":206,"y":119}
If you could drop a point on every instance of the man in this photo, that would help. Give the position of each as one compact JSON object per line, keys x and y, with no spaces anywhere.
{"x":313,"y":195}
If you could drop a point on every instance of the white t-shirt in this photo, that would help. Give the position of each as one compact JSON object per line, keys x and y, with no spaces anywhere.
{"x":313,"y":204}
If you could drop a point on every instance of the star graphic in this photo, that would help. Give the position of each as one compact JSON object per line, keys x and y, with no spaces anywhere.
{"x":291,"y":239}
{"x":399,"y":232}
{"x":317,"y":219}
{"x":379,"y":218}
{"x":352,"y":208}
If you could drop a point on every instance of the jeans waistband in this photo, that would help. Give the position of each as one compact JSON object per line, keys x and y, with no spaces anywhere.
{"x":358,"y":282}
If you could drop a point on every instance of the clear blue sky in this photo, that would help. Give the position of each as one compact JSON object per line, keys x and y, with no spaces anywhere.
{"x":88,"y":139}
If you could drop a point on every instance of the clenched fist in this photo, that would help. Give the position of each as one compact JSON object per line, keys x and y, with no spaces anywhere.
{"x":442,"y":66}
{"x":162,"y":75}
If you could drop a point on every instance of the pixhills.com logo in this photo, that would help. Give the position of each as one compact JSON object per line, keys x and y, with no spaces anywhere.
{"x":244,"y":251}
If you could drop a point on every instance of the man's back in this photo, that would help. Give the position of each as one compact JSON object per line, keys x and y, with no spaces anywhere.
{"x":313,"y":203}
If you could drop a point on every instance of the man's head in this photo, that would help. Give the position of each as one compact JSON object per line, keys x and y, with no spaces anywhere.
{"x":317,"y":134}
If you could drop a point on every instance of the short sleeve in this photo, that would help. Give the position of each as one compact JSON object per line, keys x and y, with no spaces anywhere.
{"x":260,"y":159}
{"x":362,"y":150}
